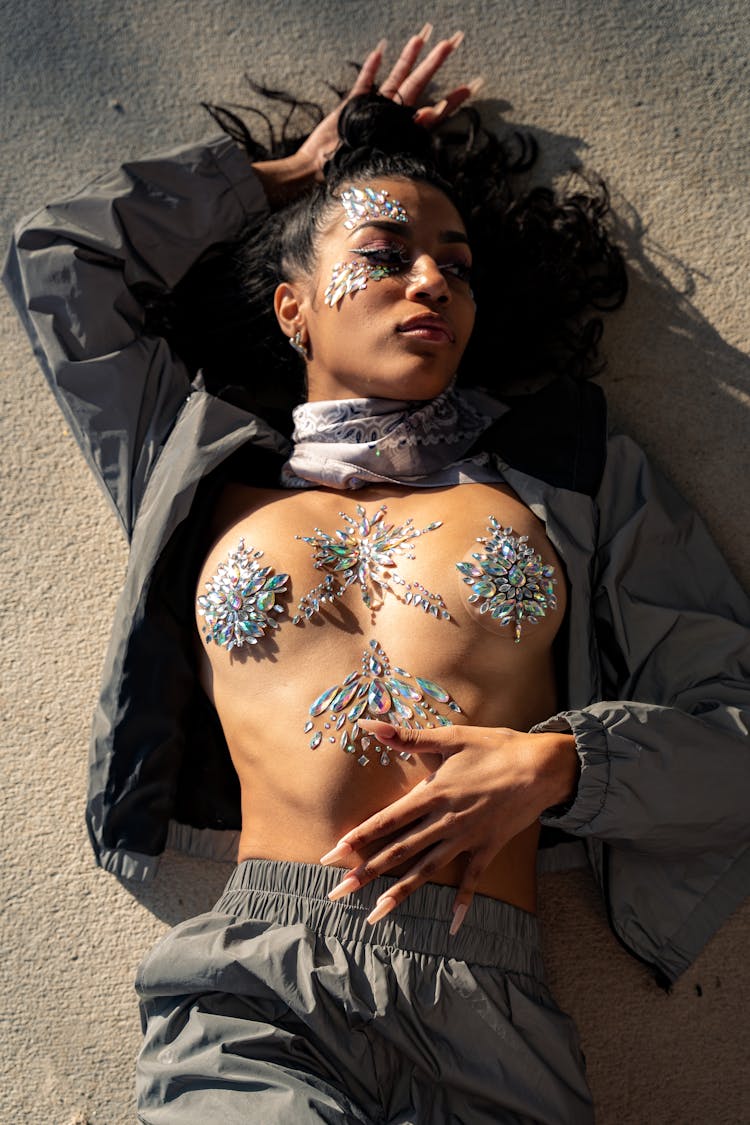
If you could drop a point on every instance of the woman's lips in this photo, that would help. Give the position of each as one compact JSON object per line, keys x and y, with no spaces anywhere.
{"x":435,"y":331}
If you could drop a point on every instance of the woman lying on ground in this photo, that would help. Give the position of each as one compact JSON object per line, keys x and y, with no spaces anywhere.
{"x":508,"y":623}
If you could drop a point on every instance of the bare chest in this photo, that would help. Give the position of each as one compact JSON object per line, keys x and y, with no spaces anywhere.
{"x":448,"y":573}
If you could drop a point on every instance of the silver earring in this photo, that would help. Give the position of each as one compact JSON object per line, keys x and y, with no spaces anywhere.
{"x":295,"y":342}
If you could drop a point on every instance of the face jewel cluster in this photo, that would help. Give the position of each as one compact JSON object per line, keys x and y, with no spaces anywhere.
{"x":241,"y":599}
{"x":376,"y":692}
{"x":366,"y":203}
{"x":348,"y":277}
{"x":509,"y":581}
{"x":363,"y":552}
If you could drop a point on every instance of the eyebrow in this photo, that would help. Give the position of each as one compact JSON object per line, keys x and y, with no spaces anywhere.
{"x":445,"y":236}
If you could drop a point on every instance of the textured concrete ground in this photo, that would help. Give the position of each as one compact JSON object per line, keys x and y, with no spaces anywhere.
{"x":655,"y":95}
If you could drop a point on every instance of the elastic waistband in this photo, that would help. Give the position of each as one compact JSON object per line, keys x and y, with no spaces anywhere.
{"x":493,"y":932}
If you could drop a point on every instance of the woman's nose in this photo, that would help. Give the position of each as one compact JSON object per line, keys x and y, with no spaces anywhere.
{"x":426,"y":279}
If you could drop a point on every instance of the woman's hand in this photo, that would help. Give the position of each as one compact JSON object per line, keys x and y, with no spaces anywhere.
{"x":406,"y":82}
{"x":490,"y":784}
{"x":282,"y":179}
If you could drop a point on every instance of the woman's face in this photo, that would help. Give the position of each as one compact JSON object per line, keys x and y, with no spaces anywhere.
{"x":389,"y":310}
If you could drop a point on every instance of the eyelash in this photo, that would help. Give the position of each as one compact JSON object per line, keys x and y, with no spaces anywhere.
{"x":396,"y":256}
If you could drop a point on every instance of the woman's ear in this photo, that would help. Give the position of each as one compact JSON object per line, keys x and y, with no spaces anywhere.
{"x":287,"y":306}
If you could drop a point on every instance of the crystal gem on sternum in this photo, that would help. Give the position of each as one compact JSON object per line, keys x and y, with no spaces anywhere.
{"x":363,"y":552}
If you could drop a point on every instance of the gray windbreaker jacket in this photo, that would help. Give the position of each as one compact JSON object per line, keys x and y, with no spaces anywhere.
{"x":654,"y":672}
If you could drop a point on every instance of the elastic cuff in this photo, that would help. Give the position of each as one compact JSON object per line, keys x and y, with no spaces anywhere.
{"x":202,"y":843}
{"x":135,"y":866}
{"x":579,"y":814}
{"x":220,"y":845}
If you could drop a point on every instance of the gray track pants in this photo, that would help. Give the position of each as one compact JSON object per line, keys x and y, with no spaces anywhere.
{"x":279,"y":1006}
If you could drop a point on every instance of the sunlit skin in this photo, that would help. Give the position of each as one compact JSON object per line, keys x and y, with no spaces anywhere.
{"x":368,"y":345}
{"x":297,"y":802}
{"x":464,"y":811}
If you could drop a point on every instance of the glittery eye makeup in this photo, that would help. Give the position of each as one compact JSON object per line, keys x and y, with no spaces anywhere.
{"x":367,"y":206}
{"x":375,"y":263}
{"x":392,"y":255}
{"x":399,"y":258}
{"x":348,"y":277}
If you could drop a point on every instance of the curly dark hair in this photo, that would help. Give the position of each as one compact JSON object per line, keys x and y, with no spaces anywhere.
{"x":545,"y":265}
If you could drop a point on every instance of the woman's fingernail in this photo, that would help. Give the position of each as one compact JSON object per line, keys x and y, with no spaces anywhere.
{"x":381,"y":47}
{"x":383,"y":731}
{"x":457,"y":39}
{"x":382,"y":907}
{"x":459,"y":913}
{"x":475,"y":86}
{"x":441,"y":107}
{"x":345,"y":887}
{"x":341,"y":851}
{"x":425,"y":33}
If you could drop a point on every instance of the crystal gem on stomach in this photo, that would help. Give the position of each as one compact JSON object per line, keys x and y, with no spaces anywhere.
{"x":377,"y":695}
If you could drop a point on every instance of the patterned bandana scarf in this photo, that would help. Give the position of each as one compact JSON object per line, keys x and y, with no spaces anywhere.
{"x":349,"y":443}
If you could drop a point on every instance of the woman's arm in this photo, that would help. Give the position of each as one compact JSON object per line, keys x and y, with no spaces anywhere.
{"x":71,"y":269}
{"x":665,"y":757}
{"x":661,"y":769}
{"x":407,"y":80}
{"x":72,"y":266}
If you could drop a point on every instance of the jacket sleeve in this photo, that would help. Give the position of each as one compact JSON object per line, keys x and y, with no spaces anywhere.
{"x":70,"y":271}
{"x":665,"y":757}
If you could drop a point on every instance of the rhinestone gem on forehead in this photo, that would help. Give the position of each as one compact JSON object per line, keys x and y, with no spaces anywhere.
{"x":363,"y":552}
{"x":348,"y":277}
{"x":509,"y":580}
{"x":241,"y":599}
{"x":366,"y":203}
{"x":378,"y":691}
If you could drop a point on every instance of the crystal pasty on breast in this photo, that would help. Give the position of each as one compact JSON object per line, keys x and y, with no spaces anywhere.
{"x":508,"y":579}
{"x":241,"y":600}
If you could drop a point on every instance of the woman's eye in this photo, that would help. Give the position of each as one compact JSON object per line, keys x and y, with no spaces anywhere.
{"x":397,"y":258}
{"x":461,"y":270}
{"x":394,"y":256}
